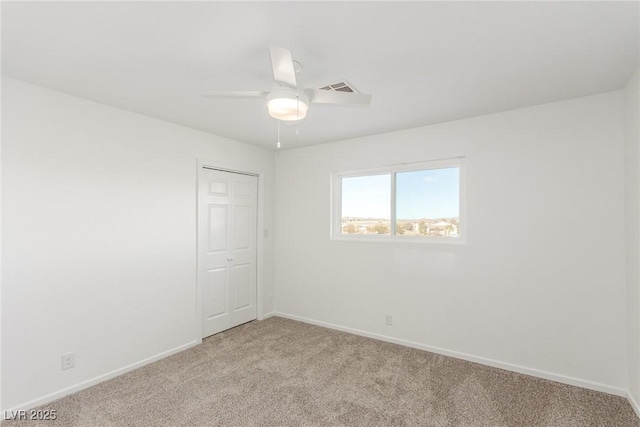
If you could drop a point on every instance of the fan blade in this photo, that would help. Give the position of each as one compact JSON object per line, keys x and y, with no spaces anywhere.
{"x":282,"y":64}
{"x":347,"y":99}
{"x":235,"y":94}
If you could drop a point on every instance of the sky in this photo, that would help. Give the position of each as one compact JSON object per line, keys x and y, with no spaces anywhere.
{"x":432,"y":193}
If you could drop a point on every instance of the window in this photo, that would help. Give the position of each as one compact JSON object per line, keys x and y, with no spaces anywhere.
{"x":414,"y":202}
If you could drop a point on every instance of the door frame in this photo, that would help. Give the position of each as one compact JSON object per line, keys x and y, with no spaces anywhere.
{"x":233,"y":168}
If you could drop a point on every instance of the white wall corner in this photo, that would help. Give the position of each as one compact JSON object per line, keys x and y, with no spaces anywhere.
{"x":1,"y":405}
{"x":632,"y":233}
{"x":634,"y":403}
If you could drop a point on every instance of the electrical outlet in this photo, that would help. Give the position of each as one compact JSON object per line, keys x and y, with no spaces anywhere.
{"x":388,"y":319}
{"x":68,"y":361}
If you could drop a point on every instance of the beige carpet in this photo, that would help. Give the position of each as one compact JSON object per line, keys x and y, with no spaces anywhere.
{"x":284,"y":373}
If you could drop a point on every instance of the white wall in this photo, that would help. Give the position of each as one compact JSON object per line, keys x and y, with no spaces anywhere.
{"x":99,"y":237}
{"x":632,"y":222}
{"x":540,"y":285}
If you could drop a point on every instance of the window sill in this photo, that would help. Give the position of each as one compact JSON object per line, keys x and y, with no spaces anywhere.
{"x":401,"y":239}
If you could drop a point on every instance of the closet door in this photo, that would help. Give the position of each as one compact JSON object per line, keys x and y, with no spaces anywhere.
{"x":227,"y":231}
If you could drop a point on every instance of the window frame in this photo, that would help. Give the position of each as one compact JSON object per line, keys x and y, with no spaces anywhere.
{"x":392,"y":170}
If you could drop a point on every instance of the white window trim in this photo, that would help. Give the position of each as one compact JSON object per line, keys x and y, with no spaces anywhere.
{"x":336,"y":203}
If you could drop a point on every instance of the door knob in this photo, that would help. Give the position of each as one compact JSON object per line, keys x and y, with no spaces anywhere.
{"x":230,"y":259}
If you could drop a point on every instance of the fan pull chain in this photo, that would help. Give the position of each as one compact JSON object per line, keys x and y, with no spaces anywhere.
{"x":278,"y":143}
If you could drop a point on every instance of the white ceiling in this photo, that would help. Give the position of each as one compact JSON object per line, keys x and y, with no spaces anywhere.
{"x":423,"y":63}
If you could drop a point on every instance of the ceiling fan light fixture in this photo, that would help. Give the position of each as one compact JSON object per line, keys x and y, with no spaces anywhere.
{"x":287,"y":109}
{"x":287,"y":104}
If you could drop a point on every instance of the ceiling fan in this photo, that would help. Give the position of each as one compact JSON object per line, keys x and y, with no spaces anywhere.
{"x":288,"y":100}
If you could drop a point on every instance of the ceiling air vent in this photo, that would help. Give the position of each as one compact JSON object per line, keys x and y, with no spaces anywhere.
{"x":343,"y":86}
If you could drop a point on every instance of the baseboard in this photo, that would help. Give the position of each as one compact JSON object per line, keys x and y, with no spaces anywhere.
{"x":634,"y":403}
{"x":268,"y":315}
{"x":88,"y":383}
{"x":469,"y":357}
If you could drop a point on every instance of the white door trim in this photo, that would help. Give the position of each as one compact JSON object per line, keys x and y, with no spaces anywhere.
{"x":228,"y":167}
